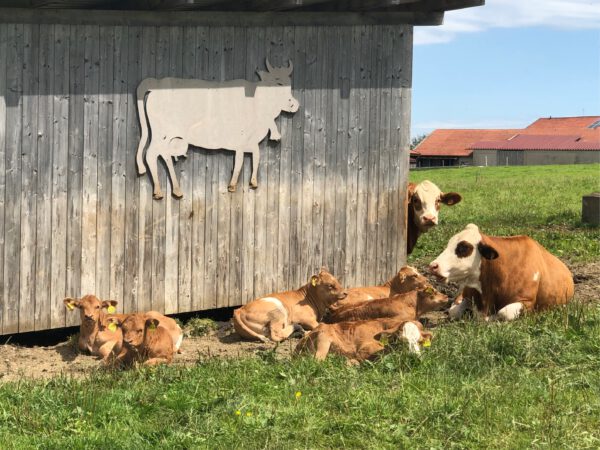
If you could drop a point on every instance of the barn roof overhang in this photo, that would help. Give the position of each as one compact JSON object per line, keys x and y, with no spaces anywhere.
{"x":233,"y":12}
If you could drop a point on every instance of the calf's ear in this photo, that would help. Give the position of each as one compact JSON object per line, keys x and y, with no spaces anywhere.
{"x":411,"y":190}
{"x":151,"y":324}
{"x":71,"y":303}
{"x":314,"y":280}
{"x":487,"y":251}
{"x":450,"y":198}
{"x":113,"y":323}
{"x":110,"y":305}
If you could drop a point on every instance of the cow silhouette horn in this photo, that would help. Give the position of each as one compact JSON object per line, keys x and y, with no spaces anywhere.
{"x":290,"y":67}
{"x":268,"y":64}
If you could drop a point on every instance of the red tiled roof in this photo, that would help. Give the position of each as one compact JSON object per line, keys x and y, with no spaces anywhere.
{"x":444,"y":142}
{"x":551,"y":123}
{"x":538,"y":142}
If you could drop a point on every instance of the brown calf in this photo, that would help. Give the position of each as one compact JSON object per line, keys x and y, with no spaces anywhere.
{"x":360,"y":340}
{"x":277,"y":315}
{"x":408,"y":306}
{"x":145,"y":340}
{"x":95,"y":336}
{"x":507,"y":275}
{"x":424,"y":201}
{"x":407,"y":279}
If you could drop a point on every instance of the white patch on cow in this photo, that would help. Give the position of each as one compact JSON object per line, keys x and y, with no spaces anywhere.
{"x":428,"y":193}
{"x":461,"y":270}
{"x":510,"y":312}
{"x":536,"y":276}
{"x":412,"y":334}
{"x":179,"y":340}
{"x":278,"y":305}
{"x":457,"y":310}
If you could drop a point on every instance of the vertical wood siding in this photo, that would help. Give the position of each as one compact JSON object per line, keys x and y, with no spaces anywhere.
{"x":75,"y":217}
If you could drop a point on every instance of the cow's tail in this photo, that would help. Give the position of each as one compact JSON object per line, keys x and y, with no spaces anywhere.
{"x":144,"y":87}
{"x":242,"y":329}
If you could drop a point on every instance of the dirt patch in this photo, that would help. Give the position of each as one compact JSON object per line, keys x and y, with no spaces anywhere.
{"x":63,"y":359}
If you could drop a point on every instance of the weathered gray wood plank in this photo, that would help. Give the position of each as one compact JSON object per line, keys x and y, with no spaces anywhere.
{"x":236,"y":236}
{"x":12,"y":215}
{"x":174,"y":66}
{"x":75,"y":166}
{"x":223,"y":64}
{"x":186,"y":212}
{"x":3,"y":110}
{"x":118,"y":159}
{"x":296,"y":271}
{"x":90,"y":160}
{"x":105,"y":143}
{"x":145,"y":236}
{"x":131,"y":288}
{"x":28,"y":178}
{"x":60,"y":172}
{"x":199,"y":207}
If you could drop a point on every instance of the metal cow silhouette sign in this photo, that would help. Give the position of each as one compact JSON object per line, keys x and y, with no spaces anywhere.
{"x":233,"y":115}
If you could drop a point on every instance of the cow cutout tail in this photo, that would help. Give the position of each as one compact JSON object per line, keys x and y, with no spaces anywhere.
{"x":144,"y":87}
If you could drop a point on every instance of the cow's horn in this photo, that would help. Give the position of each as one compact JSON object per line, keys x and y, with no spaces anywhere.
{"x":290,"y":67}
{"x":268,"y":64}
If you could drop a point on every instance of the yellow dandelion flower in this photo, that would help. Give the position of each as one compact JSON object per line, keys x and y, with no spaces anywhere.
{"x":248,"y":414}
{"x":298,"y":394}
{"x":238,"y":412}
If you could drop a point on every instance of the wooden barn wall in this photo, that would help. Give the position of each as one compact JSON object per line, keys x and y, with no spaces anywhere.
{"x":75,"y":217}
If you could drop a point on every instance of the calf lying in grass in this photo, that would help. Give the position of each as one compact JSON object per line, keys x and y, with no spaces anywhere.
{"x":95,"y":336}
{"x":407,"y":306}
{"x":359,"y":341}
{"x":406,"y":280}
{"x":146,"y":339}
{"x":276,"y":316}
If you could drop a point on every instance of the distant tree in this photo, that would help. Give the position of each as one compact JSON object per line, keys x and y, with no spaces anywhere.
{"x":417,"y":140}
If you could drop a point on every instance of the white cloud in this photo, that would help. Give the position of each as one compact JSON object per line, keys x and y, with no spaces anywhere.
{"x":564,"y":14}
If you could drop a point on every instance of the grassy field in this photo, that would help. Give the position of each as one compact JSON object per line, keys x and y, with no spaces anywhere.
{"x":533,"y":383}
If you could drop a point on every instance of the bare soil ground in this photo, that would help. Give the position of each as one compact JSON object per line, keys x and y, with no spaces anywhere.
{"x":18,"y":362}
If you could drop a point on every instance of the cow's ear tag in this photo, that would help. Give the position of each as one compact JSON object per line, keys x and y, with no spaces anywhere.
{"x":70,"y":306}
{"x":427,"y":343}
{"x":152,"y":326}
{"x":112,"y":326}
{"x":111,"y":309}
{"x":384,"y":340}
{"x":313,"y":281}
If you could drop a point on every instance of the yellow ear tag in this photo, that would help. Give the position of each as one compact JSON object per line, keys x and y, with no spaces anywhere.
{"x":152,"y":326}
{"x":112,"y":326}
{"x":313,"y":281}
{"x":427,"y":343}
{"x":111,"y":309}
{"x":70,"y":306}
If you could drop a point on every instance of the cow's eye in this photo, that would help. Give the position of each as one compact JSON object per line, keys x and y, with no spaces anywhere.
{"x":97,"y":307}
{"x":330,"y":286}
{"x":416,"y":201}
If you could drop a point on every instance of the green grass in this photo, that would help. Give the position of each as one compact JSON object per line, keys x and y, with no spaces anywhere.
{"x":533,"y":383}
{"x":543,"y":202}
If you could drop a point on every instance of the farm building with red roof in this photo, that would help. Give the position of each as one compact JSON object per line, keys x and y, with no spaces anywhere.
{"x":564,"y":140}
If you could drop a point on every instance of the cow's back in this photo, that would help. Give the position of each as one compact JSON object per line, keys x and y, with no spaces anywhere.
{"x":556,"y":281}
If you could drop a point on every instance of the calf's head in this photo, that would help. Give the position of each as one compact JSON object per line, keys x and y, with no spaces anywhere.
{"x":425,"y":200}
{"x":407,"y":279}
{"x":460,"y":262}
{"x":134,"y":328}
{"x":430,"y":299}
{"x":90,"y":307}
{"x":326,"y":288}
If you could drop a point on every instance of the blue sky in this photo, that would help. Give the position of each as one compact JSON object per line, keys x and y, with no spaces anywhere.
{"x":506,"y":64}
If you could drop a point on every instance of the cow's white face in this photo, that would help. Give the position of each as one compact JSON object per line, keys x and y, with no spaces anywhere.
{"x":425,"y":200}
{"x":460,"y":262}
{"x":280,"y":78}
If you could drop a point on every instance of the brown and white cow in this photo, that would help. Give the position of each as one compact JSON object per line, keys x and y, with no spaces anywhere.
{"x":509,"y":275}
{"x":145,"y":340}
{"x":360,"y":340}
{"x":424,"y":201}
{"x":277,"y":315}
{"x":408,"y":306}
{"x":95,"y":336}
{"x":407,"y":279}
